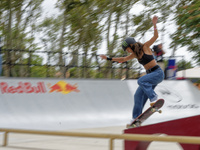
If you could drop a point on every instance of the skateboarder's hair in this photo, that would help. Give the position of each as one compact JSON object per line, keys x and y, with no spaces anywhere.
{"x":138,"y":49}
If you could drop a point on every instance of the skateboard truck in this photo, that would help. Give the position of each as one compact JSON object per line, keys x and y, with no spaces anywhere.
{"x":156,"y":109}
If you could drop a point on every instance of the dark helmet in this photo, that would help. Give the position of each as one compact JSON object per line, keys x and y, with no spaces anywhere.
{"x":127,"y":43}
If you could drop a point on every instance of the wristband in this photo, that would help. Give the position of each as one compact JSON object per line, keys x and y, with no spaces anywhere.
{"x":155,"y":28}
{"x":109,"y":58}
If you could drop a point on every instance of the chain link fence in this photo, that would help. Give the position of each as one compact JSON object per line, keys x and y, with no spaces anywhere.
{"x":27,"y":63}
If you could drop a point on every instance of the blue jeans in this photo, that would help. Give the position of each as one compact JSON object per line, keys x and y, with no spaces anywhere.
{"x":147,"y":84}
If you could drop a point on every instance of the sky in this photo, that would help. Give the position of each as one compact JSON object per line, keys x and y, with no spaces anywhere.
{"x":49,"y":10}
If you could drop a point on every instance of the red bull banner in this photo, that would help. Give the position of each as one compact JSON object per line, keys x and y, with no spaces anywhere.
{"x":39,"y":87}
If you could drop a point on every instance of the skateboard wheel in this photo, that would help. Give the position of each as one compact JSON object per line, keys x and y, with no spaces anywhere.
{"x":160,"y":111}
{"x":134,"y":125}
{"x":138,"y":124}
{"x":131,"y":126}
{"x":153,"y":110}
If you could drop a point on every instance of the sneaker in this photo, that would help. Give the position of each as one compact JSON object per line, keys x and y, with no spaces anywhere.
{"x":153,"y":102}
{"x":129,"y":124}
{"x":136,"y":124}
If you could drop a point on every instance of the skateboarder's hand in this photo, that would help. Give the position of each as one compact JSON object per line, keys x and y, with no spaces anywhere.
{"x":155,"y":19}
{"x":103,"y":56}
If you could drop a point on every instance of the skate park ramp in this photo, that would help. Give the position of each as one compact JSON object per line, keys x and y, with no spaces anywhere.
{"x":60,"y":104}
{"x":182,"y":99}
{"x":63,"y":104}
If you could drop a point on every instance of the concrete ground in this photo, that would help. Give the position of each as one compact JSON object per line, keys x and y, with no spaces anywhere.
{"x":40,"y":142}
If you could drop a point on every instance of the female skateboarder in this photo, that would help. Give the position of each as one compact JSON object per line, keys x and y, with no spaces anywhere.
{"x":155,"y":75}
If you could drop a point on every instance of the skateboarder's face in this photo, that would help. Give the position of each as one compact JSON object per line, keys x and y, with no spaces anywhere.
{"x":129,"y":50}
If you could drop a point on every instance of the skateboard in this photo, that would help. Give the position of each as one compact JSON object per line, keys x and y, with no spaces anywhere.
{"x":145,"y":115}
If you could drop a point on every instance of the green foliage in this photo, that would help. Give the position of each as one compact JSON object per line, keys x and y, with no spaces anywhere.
{"x":74,"y":72}
{"x":17,"y":31}
{"x":82,"y":26}
{"x":188,"y":31}
{"x":38,"y":71}
{"x":183,"y":65}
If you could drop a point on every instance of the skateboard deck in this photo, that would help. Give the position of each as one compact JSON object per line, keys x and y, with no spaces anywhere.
{"x":145,"y":115}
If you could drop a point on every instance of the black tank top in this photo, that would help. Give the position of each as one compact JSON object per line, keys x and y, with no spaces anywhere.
{"x":145,"y":59}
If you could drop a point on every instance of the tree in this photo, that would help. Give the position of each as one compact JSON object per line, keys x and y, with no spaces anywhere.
{"x":82,"y":26}
{"x":49,"y":30}
{"x":116,"y":26}
{"x":188,"y":29}
{"x":81,"y":32}
{"x":18,"y":19}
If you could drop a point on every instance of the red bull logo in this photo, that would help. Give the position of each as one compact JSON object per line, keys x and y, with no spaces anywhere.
{"x":63,"y":87}
{"x":22,"y":87}
{"x":38,"y":88}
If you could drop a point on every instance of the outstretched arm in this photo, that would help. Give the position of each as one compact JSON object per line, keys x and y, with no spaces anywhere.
{"x":155,"y":36}
{"x":118,"y":59}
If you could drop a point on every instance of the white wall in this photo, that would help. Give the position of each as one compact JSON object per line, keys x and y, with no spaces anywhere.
{"x":28,"y":103}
